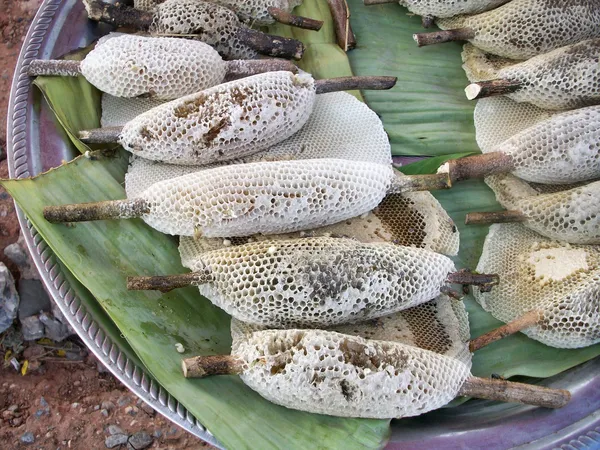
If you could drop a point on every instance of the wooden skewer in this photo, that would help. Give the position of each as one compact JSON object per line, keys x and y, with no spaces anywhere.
{"x":287,"y":18}
{"x":344,"y":35}
{"x":478,"y":166}
{"x":478,"y":218}
{"x":484,"y":89}
{"x":439,"y":37}
{"x":527,"y":320}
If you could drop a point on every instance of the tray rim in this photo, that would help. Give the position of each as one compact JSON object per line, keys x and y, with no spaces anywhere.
{"x":581,"y":433}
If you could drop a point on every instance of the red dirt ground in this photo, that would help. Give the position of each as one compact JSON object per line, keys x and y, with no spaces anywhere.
{"x":70,"y":415}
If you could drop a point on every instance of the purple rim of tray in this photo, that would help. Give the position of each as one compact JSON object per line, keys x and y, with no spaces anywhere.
{"x":59,"y":27}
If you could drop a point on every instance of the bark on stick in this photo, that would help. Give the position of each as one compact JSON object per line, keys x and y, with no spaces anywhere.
{"x":525,"y":321}
{"x":439,"y":37}
{"x":506,"y":391}
{"x":205,"y":366}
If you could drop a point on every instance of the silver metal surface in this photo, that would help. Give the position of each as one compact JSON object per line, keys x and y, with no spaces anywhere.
{"x":34,"y":145}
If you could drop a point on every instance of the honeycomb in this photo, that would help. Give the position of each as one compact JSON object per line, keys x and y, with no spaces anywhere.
{"x":164,"y":68}
{"x":566,"y":78}
{"x":560,"y":280}
{"x":266,"y":197}
{"x":208,"y":22}
{"x":117,"y":111}
{"x":522,"y":29}
{"x":440,"y":325}
{"x":500,"y":118}
{"x":256,"y":12}
{"x":571,"y":215}
{"x":253,"y":11}
{"x":330,"y":373}
{"x":479,"y":65}
{"x":318,"y":282}
{"x":560,"y":150}
{"x":224,"y":122}
{"x":449,"y":8}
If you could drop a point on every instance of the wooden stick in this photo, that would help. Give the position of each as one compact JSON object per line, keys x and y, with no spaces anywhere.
{"x":507,"y":391}
{"x":351,"y":83}
{"x":240,"y":68}
{"x":205,"y":366}
{"x":107,"y":135}
{"x":268,"y":44}
{"x":118,"y":15}
{"x":287,"y":18}
{"x":478,"y":218}
{"x":169,"y":282}
{"x":344,"y":35}
{"x":54,"y":67}
{"x":484,"y":89}
{"x":439,"y":37}
{"x":478,"y":166}
{"x":485,"y":281}
{"x":411,"y":183}
{"x":527,"y":320}
{"x":110,"y":209}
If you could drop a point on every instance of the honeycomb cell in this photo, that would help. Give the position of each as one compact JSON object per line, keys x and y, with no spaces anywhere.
{"x":449,"y":8}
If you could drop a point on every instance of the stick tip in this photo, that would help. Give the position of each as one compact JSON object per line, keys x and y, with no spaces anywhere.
{"x":472,"y":91}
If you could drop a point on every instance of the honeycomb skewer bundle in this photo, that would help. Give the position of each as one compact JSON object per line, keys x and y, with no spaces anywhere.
{"x":565,"y":78}
{"x":256,"y":12}
{"x":208,"y":22}
{"x":522,"y":29}
{"x":316,"y":282}
{"x":548,"y":289}
{"x":562,"y":149}
{"x":331,"y":373}
{"x":228,"y":121}
{"x":440,"y":325}
{"x":572,"y":216}
{"x":263,"y":197}
{"x":162,"y":68}
{"x":444,"y":8}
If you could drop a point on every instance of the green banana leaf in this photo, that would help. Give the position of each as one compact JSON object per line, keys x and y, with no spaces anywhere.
{"x":426,"y":114}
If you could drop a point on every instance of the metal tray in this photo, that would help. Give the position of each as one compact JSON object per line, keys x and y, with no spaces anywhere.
{"x":34,"y":145}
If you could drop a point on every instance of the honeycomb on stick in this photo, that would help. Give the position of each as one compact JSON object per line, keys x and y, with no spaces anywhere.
{"x":228,"y":121}
{"x":254,"y":12}
{"x":440,"y":325}
{"x":571,"y":216}
{"x":566,"y":78}
{"x":563,"y":149}
{"x":555,"y":283}
{"x":445,"y":8}
{"x":336,"y":374}
{"x":208,"y":22}
{"x":261,"y":197}
{"x":522,"y":29}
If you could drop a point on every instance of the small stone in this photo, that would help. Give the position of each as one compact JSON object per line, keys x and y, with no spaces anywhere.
{"x":17,"y":421}
{"x":34,"y":298}
{"x":20,"y":256}
{"x":179,"y":347}
{"x":124,"y":400}
{"x":157,"y":433}
{"x":140,"y":440}
{"x":53,"y":329}
{"x":96,"y":407}
{"x":104,"y":412}
{"x":109,"y":406}
{"x":115,"y":440}
{"x":7,"y":415}
{"x":13,"y":408}
{"x":76,"y":383}
{"x":32,"y":328}
{"x":74,"y":405}
{"x":148,"y":409}
{"x":113,"y":429}
{"x":44,"y":404}
{"x":10,"y":299}
{"x":131,"y":410}
{"x":27,"y":438}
